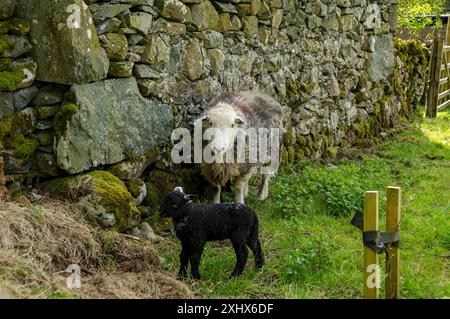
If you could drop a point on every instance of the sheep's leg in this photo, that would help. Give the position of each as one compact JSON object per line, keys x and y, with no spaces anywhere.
{"x":241,"y":257}
{"x":194,"y":258}
{"x":184,"y":261}
{"x":217,"y":195}
{"x":264,"y":190}
{"x":241,"y":187}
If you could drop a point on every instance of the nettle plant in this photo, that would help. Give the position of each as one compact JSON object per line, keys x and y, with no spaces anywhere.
{"x":413,"y":14}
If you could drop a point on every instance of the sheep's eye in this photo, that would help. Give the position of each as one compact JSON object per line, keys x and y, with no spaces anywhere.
{"x":238,"y":121}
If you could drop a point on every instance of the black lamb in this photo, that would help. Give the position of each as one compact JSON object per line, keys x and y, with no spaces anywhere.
{"x":197,"y":224}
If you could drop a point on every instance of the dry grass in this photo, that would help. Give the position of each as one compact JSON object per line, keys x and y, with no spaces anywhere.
{"x":39,"y":241}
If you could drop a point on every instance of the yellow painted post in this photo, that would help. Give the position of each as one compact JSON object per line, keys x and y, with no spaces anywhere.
{"x":371,"y":267}
{"x":393,"y":224}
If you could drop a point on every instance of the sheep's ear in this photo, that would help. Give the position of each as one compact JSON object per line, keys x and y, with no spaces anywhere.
{"x":239,"y":120}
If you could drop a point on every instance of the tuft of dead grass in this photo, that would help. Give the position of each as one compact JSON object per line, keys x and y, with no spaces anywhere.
{"x":39,"y":241}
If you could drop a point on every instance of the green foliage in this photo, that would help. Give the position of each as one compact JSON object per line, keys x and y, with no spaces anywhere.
{"x":10,"y":80}
{"x":409,"y":10}
{"x":330,"y":190}
{"x":24,"y":146}
{"x":65,"y":112}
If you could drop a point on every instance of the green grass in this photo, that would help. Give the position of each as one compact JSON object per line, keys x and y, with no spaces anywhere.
{"x":313,"y":252}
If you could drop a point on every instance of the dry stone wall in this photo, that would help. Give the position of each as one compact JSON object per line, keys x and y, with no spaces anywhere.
{"x":100,"y":84}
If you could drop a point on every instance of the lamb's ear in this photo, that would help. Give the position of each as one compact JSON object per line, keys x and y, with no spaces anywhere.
{"x":189,"y":197}
{"x":179,"y":189}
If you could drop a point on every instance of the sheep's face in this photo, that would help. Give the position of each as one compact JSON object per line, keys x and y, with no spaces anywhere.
{"x":220,"y":126}
{"x":173,"y":202}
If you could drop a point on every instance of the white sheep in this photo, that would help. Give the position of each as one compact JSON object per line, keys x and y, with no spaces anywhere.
{"x":231,"y":115}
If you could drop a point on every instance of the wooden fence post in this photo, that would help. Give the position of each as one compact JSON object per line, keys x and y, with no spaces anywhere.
{"x":371,"y":267}
{"x":434,"y":76}
{"x":392,"y":225}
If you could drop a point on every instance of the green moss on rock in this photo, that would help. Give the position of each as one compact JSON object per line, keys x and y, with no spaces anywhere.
{"x":23,"y":146}
{"x":63,"y":115}
{"x":10,"y":80}
{"x":115,"y":198}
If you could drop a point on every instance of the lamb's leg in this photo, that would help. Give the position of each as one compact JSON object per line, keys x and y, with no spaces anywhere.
{"x":255,"y":246}
{"x":217,"y":195}
{"x":194,"y":258}
{"x":240,"y":248}
{"x":264,"y":190}
{"x":184,"y":260}
{"x":241,"y":187}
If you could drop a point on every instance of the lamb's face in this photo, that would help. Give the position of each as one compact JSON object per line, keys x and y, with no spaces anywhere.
{"x":221,"y":122}
{"x":172,"y":202}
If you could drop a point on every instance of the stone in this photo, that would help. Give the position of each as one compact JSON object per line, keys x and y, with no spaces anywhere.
{"x":204,"y":16}
{"x":224,"y":22}
{"x":144,"y":71}
{"x":48,"y":95}
{"x":331,"y":22}
{"x":348,"y":23}
{"x":132,"y":169}
{"x":24,"y":97}
{"x":15,"y":163}
{"x":121,"y":69}
{"x":277,"y":18}
{"x":113,"y":122}
{"x":108,"y":26}
{"x":236,"y":23}
{"x":6,"y":104}
{"x":147,"y":232}
{"x":46,"y":112}
{"x":255,"y":6}
{"x":250,"y":25}
{"x":156,"y":53}
{"x":24,"y":122}
{"x":93,"y":194}
{"x":264,"y":11}
{"x":115,"y":45}
{"x":45,"y":164}
{"x":20,"y":46}
{"x":104,"y":11}
{"x":383,"y":58}
{"x":139,"y":21}
{"x":173,"y":10}
{"x":192,"y":65}
{"x":216,"y":58}
{"x":211,"y":39}
{"x":45,"y":137}
{"x":44,"y":124}
{"x":224,"y":7}
{"x":15,"y":26}
{"x":6,"y":8}
{"x":66,"y":51}
{"x":28,"y":69}
{"x":169,"y":27}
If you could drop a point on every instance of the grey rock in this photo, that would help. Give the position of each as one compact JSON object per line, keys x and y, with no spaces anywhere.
{"x":113,"y":119}
{"x":144,"y":71}
{"x":23,"y":97}
{"x":48,"y":95}
{"x":6,"y":104}
{"x":383,"y":58}
{"x":65,"y":54}
{"x":6,"y":8}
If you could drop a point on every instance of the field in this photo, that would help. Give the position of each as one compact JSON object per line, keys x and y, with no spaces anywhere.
{"x":313,"y":252}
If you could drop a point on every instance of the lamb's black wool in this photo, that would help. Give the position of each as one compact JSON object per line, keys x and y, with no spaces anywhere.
{"x":197,"y":224}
